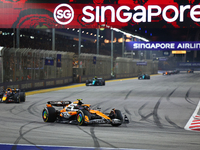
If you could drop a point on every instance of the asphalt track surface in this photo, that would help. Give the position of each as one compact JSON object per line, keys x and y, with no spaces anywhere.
{"x":158,"y":110}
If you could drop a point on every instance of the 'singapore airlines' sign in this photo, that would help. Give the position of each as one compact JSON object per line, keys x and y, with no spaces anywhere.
{"x":64,"y":13}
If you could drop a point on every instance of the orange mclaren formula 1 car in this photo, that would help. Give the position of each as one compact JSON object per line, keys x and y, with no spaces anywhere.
{"x":190,"y":71}
{"x":81,"y":114}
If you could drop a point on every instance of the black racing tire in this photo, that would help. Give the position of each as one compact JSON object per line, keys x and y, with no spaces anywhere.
{"x":86,"y":82}
{"x":16,"y":98}
{"x":82,"y":117}
{"x":49,"y":114}
{"x":118,"y":115}
{"x":22,"y":96}
{"x":100,"y":82}
{"x":139,"y":78}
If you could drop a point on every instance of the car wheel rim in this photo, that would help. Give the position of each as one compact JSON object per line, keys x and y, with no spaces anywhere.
{"x":79,"y":117}
{"x":45,"y":115}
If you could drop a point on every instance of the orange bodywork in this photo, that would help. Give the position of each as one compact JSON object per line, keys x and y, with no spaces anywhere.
{"x":63,"y":110}
{"x":86,"y":105}
{"x":72,"y":113}
{"x":87,"y":119}
{"x":48,"y":105}
{"x":99,"y":113}
{"x":76,"y":102}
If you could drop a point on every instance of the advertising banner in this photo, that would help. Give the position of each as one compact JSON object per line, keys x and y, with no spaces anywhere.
{"x":49,"y":61}
{"x":99,"y":14}
{"x":94,"y":60}
{"x":187,"y":64}
{"x":186,"y":45}
{"x":141,"y":63}
{"x":58,"y":61}
{"x":162,"y":58}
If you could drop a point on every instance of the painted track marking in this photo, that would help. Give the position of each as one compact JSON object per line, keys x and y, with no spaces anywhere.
{"x":194,"y":123}
{"x":48,"y":147}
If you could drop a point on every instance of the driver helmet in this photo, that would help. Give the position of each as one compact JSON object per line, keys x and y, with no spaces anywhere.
{"x":9,"y":90}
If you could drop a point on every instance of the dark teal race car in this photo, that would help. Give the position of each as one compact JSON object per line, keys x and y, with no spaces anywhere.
{"x":95,"y":82}
{"x":143,"y":76}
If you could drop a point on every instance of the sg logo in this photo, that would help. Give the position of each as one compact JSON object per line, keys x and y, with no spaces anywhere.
{"x":63,"y":14}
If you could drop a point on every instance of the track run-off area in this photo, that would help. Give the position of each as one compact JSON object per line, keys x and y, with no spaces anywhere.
{"x":163,"y":114}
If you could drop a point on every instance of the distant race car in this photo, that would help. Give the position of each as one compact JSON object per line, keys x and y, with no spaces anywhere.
{"x":144,"y":76}
{"x":190,"y":71}
{"x":167,"y":73}
{"x":95,"y":82}
{"x":12,"y":95}
{"x":80,"y":114}
{"x":171,"y":72}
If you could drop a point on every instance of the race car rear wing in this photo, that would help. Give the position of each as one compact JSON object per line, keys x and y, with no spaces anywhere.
{"x":59,"y":103}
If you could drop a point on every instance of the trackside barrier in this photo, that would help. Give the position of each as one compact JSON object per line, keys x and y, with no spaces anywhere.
{"x":37,"y":84}
{"x":30,"y":69}
{"x":30,"y":64}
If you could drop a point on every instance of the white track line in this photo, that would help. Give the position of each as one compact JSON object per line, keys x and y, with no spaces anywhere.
{"x":192,"y":117}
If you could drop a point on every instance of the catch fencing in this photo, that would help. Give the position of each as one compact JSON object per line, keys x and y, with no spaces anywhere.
{"x":29,"y":68}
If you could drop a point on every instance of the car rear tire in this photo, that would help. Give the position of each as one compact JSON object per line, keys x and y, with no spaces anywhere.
{"x":103,"y":82}
{"x":22,"y":96}
{"x":49,"y":114}
{"x":83,"y":116}
{"x":16,"y":98}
